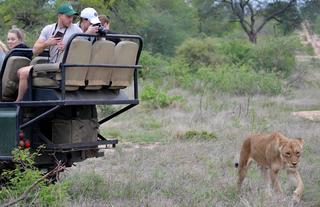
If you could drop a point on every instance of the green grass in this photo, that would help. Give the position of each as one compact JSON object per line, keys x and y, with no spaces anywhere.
{"x":154,"y":134}
{"x":198,"y":170}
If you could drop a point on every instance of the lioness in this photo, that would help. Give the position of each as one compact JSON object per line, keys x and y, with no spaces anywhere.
{"x":272,"y":152}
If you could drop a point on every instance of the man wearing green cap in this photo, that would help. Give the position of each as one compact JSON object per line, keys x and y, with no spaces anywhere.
{"x":55,"y":37}
{"x":65,"y":26}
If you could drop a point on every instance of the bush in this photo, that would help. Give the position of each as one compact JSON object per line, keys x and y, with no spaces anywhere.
{"x":181,"y":73}
{"x":105,"y":110}
{"x":199,"y":135}
{"x":23,"y":176}
{"x":157,"y":98}
{"x":316,"y":25}
{"x":201,"y":52}
{"x":153,"y":66}
{"x":309,"y":49}
{"x":240,"y":80}
{"x":275,"y":55}
{"x":236,"y":50}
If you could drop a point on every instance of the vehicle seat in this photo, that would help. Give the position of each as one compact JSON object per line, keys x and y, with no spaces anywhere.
{"x":10,"y":81}
{"x":49,"y":75}
{"x":102,"y":53}
{"x":125,"y":54}
{"x":39,"y":60}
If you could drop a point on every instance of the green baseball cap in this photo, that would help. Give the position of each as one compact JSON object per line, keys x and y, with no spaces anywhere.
{"x":67,"y":9}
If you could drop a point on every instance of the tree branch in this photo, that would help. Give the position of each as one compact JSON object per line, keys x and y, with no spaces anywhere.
{"x":242,"y":20}
{"x":270,"y":17}
{"x":59,"y":168}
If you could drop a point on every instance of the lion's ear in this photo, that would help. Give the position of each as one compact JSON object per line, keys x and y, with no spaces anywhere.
{"x":282,"y":143}
{"x":301,"y":141}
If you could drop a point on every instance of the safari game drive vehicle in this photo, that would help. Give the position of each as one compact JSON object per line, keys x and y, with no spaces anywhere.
{"x":59,"y":108}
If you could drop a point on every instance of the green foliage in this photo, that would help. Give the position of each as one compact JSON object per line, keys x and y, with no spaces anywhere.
{"x":169,"y":23}
{"x":180,"y":72}
{"x":214,"y":19}
{"x":316,"y":25}
{"x":309,"y":49}
{"x":105,"y":110}
{"x":199,"y":135}
{"x":154,"y":66}
{"x":24,"y":14}
{"x":24,"y":175}
{"x":276,"y":55}
{"x":201,"y":52}
{"x":237,"y":51}
{"x":158,"y":98}
{"x":240,"y":80}
{"x":287,"y":21}
{"x":310,"y":10}
{"x":234,"y":66}
{"x":271,"y":55}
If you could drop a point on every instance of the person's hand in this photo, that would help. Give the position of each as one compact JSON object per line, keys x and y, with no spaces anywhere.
{"x":53,"y":41}
{"x":61,"y":46}
{"x":92,"y":29}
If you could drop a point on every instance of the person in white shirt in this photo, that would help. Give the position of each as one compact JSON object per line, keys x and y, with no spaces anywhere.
{"x":49,"y":39}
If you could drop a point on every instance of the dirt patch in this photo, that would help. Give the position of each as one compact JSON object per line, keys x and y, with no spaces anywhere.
{"x":310,"y":115}
{"x":309,"y":37}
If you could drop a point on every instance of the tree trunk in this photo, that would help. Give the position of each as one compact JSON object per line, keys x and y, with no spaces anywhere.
{"x":253,"y":38}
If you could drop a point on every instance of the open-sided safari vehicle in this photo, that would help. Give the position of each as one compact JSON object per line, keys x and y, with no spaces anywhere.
{"x":59,"y":108}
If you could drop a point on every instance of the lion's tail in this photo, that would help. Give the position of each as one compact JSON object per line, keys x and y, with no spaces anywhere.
{"x":244,"y":154}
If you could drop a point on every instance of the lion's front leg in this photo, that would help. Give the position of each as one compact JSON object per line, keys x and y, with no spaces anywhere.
{"x":294,"y":175}
{"x":266,"y":175}
{"x":275,"y":180}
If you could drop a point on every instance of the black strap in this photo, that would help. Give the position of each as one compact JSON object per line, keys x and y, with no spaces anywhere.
{"x":55,"y":28}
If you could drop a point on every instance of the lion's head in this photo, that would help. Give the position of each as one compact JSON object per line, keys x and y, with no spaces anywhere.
{"x":291,"y":150}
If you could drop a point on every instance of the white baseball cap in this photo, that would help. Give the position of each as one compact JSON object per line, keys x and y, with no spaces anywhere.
{"x":90,"y":14}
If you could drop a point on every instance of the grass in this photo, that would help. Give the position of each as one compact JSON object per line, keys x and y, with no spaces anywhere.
{"x":200,"y":171}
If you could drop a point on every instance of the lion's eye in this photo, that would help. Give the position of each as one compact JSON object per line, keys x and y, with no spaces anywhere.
{"x":288,"y":154}
{"x":298,"y":153}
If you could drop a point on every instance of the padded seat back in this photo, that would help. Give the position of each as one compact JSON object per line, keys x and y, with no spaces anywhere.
{"x":125,"y":54}
{"x":79,"y":53}
{"x":102,"y":53}
{"x":10,"y":81}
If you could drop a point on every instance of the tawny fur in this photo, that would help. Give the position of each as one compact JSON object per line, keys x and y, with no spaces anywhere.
{"x":272,"y":152}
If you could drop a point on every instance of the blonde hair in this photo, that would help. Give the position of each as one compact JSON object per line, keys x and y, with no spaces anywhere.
{"x":18,"y":32}
{"x":104,"y":19}
{"x":3,"y":47}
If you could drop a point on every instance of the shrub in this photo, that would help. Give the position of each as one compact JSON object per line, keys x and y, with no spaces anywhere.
{"x":316,"y":25}
{"x":275,"y":55}
{"x":153,"y":66}
{"x":23,"y":176}
{"x":236,"y":50}
{"x":105,"y":110}
{"x":157,"y":98}
{"x":309,"y":49}
{"x":181,"y":73}
{"x":201,"y":52}
{"x":199,"y":135}
{"x":240,"y":80}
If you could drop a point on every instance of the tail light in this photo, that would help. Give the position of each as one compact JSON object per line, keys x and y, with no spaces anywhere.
{"x":27,"y":143}
{"x":23,"y":143}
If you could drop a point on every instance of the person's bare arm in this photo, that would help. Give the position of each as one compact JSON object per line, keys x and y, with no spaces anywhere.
{"x":41,"y":45}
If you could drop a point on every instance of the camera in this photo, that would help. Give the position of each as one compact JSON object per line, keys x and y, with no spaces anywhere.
{"x":101,"y":30}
